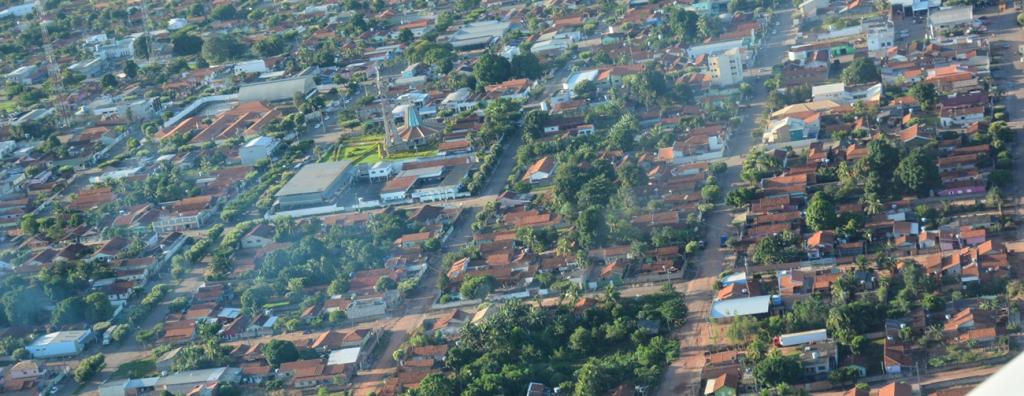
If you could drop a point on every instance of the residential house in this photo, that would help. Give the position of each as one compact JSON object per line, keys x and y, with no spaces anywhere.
{"x":185,"y":214}
{"x":260,"y":236}
{"x":726,"y":384}
{"x":541,"y":170}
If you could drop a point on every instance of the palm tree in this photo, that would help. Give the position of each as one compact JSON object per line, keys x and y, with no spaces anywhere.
{"x":611,"y":294}
{"x":995,"y":198}
{"x":872,"y":205}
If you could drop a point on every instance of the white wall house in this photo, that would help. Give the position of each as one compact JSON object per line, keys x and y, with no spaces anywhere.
{"x":61,"y":343}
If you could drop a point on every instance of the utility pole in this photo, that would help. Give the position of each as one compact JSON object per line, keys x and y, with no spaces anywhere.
{"x":53,"y":72}
{"x":385,"y":110}
{"x":147,"y":24}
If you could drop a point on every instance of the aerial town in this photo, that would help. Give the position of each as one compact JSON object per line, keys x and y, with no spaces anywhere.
{"x":501,"y":197}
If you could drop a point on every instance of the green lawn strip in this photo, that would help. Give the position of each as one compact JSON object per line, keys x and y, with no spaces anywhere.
{"x":136,"y":369}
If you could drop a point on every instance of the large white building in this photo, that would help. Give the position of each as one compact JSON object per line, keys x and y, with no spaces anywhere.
{"x":727,"y":68}
{"x":276,"y":90}
{"x":115,"y":49}
{"x":19,"y":10}
{"x":257,"y":149}
{"x":61,"y":343}
{"x":880,"y":36}
{"x":948,"y":19}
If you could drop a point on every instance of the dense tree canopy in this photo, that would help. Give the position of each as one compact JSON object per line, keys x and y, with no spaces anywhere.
{"x":822,"y":213}
{"x":280,"y":351}
{"x":777,"y":248}
{"x":185,"y":43}
{"x":585,"y":353}
{"x":492,"y":69}
{"x":220,"y":48}
{"x":861,"y":71}
{"x":777,"y":368}
{"x":918,"y":172}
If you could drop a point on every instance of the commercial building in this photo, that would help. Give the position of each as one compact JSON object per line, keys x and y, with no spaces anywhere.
{"x":315,"y":184}
{"x":478,"y":34}
{"x":27,"y":75}
{"x":179,"y":383}
{"x":257,"y":149}
{"x":726,"y":309}
{"x":950,"y":19}
{"x":61,"y":343}
{"x":277,"y":90}
{"x":727,"y":67}
{"x":90,"y":68}
{"x":881,"y":36}
{"x":115,"y":49}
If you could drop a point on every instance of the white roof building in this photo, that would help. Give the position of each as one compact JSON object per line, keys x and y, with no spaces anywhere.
{"x":734,"y":307}
{"x":343,"y":356}
{"x":479,"y":33}
{"x":578,"y":77}
{"x":61,"y":343}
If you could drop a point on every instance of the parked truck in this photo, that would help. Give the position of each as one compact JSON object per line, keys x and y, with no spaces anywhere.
{"x":804,"y":337}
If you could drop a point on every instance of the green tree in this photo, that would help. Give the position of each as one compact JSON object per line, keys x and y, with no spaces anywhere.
{"x":526,"y":65}
{"x":674,"y":310}
{"x":436,"y":385}
{"x":25,"y":305}
{"x":196,"y":10}
{"x":88,"y":367}
{"x":68,"y":311}
{"x":585,"y":89}
{"x":918,"y":172}
{"x":108,"y":81}
{"x":200,"y":356}
{"x":822,"y":212}
{"x":592,"y":228}
{"x":925,"y":94}
{"x":131,"y":70}
{"x":758,"y":165}
{"x":777,"y":368}
{"x":477,"y":287}
{"x":224,"y":12}
{"x":280,"y":351}
{"x":844,"y":375}
{"x":222,"y":47}
{"x":406,"y":36}
{"x":994,"y":198}
{"x":184,"y":43}
{"x":861,"y":71}
{"x":742,"y":329}
{"x":850,"y":320}
{"x":98,"y":307}
{"x":711,"y":193}
{"x":740,"y":196}
{"x":622,"y":136}
{"x":270,"y":46}
{"x":492,"y":69}
{"x":777,"y":248}
{"x":141,"y":47}
{"x":385,"y":283}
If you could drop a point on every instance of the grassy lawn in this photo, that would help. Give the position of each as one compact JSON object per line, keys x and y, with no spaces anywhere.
{"x":276,"y":305}
{"x":136,"y":369}
{"x":365,"y":139}
{"x":412,"y":154}
{"x":363,"y":149}
{"x":9,"y":106}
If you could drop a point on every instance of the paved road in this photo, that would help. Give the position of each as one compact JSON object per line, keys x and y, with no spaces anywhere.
{"x":1007,"y":37}
{"x":682,"y":377}
{"x":935,"y":378}
{"x":129,"y":350}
